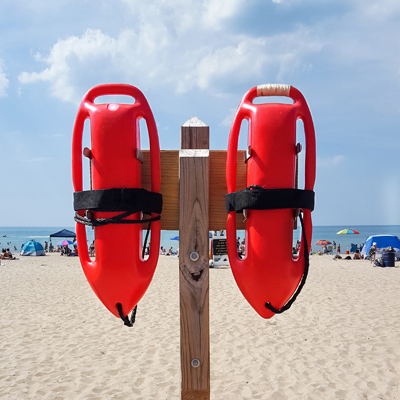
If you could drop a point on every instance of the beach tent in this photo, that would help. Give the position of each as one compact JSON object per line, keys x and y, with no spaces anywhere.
{"x":63,"y":233}
{"x":32,"y":248}
{"x":382,"y":241}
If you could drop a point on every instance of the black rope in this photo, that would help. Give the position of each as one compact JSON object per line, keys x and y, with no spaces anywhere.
{"x":125,"y":318}
{"x":118,"y":219}
{"x":145,"y":240}
{"x":303,"y":279}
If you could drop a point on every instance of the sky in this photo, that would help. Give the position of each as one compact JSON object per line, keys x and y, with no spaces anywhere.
{"x":199,"y":58}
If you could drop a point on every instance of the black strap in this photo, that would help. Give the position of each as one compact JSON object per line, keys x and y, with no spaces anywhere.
{"x":303,"y":279}
{"x":257,"y":198}
{"x":122,"y":199}
{"x":125,"y":318}
{"x":129,"y":200}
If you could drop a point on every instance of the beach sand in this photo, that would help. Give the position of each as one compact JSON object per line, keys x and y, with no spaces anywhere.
{"x":340,"y":339}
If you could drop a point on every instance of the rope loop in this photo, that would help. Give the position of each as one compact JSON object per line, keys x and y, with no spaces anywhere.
{"x":124,"y":318}
{"x":303,"y":279}
{"x":118,"y":219}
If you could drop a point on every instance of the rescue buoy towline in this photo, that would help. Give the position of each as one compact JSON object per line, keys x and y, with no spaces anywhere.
{"x":269,"y":277}
{"x":116,"y":204}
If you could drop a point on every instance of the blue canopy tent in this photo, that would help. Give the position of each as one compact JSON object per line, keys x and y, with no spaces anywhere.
{"x":63,"y":233}
{"x":32,"y":248}
{"x":382,"y":241}
{"x":177,"y":237}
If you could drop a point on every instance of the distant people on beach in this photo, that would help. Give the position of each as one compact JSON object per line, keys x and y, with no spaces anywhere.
{"x":242,"y":247}
{"x":338,"y":249}
{"x":334,"y":245}
{"x":170,"y":251}
{"x":45,"y":246}
{"x":91,"y":249}
{"x":357,"y":255}
{"x":239,"y":252}
{"x":372,"y":252}
{"x":6,"y":255}
{"x":65,"y":250}
{"x":75,"y":252}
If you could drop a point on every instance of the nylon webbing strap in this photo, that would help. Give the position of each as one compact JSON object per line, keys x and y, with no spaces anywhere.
{"x":128,"y":200}
{"x":123,"y":199}
{"x":257,"y":198}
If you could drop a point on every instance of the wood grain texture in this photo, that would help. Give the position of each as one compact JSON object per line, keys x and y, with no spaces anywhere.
{"x":194,"y":271}
{"x":217,"y":187}
{"x":169,"y":186}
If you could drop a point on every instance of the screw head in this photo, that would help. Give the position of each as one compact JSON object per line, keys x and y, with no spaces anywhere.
{"x":195,"y":363}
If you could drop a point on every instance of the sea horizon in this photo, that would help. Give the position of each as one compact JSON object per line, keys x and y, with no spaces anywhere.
{"x":14,"y":237}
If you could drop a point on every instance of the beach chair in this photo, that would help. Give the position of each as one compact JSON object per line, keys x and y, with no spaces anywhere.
{"x":330,"y":250}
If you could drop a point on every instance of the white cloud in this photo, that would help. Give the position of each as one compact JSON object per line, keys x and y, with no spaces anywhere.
{"x":183,"y":15}
{"x":380,"y":11}
{"x":218,"y":10}
{"x":176,"y":46}
{"x":151,"y":55}
{"x":65,"y":60}
{"x":3,"y":81}
{"x":230,"y":60}
{"x":330,"y":161}
{"x":227,"y":121}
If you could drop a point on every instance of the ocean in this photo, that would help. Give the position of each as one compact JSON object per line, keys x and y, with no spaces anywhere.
{"x":14,"y":237}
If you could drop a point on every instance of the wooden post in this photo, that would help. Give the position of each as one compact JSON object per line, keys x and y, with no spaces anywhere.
{"x":193,"y":260}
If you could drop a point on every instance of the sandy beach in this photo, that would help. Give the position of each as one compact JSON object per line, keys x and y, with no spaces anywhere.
{"x":340,"y":340}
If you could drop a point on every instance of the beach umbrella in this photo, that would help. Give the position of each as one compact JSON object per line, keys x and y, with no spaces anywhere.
{"x":64,"y":243}
{"x":322,"y":242}
{"x":32,"y":248}
{"x":348,"y":232}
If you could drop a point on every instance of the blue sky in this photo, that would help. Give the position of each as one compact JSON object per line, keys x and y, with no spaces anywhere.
{"x":199,"y":58}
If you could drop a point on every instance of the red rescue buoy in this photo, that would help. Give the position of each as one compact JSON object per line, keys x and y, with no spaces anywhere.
{"x":269,"y":277}
{"x":117,"y":205}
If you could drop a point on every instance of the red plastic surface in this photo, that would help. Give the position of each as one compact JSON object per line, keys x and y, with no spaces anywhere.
{"x":118,"y":274}
{"x":268,"y":273}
